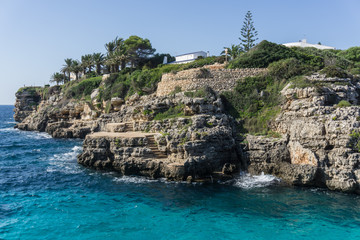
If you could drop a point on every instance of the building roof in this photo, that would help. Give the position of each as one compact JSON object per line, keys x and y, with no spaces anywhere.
{"x":190,"y":53}
{"x":303,"y":43}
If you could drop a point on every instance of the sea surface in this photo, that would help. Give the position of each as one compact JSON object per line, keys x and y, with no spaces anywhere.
{"x":45,"y":194}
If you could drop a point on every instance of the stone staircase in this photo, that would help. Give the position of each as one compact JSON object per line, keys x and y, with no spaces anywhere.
{"x":123,"y":129}
{"x":129,"y":127}
{"x":153,"y":147}
{"x":120,"y":127}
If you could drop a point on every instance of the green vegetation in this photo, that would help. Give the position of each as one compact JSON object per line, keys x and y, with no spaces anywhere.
{"x":266,"y":52}
{"x":127,"y":82}
{"x":176,"y":90}
{"x":172,"y":112}
{"x":255,"y":101}
{"x":334,"y":71}
{"x":205,"y":92}
{"x":248,"y":33}
{"x":30,"y":90}
{"x":287,"y":68}
{"x":108,"y":107}
{"x":354,"y":143}
{"x":352,"y":54}
{"x":343,"y":103}
{"x":233,"y":52}
{"x":79,"y":89}
{"x":301,"y":82}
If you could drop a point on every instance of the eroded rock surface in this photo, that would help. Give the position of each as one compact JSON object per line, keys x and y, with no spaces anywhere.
{"x":316,"y":145}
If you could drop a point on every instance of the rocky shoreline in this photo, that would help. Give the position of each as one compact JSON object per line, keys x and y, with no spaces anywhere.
{"x":315,"y":145}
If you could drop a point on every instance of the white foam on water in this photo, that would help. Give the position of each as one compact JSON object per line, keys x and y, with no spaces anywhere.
{"x":65,"y":162}
{"x":135,"y":179}
{"x":39,"y":135}
{"x":248,"y":181}
{"x":9,"y":129}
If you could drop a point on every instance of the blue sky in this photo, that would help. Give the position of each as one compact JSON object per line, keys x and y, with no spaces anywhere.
{"x":37,"y":35}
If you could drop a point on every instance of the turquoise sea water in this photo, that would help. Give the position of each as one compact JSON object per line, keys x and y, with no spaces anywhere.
{"x":45,"y":194}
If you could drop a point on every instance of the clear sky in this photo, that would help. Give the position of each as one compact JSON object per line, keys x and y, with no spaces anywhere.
{"x":36,"y":36}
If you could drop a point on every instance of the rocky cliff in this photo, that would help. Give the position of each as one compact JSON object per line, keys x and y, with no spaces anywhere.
{"x":189,"y":136}
{"x":318,"y":147}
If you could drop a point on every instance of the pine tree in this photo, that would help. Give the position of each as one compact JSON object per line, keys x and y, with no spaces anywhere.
{"x":248,"y":33}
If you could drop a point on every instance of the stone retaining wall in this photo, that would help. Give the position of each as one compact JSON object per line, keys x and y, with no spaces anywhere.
{"x":192,"y":79}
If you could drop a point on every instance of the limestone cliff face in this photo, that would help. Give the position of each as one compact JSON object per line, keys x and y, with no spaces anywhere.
{"x":27,"y":100}
{"x":315,"y":148}
{"x":181,"y":149}
{"x":199,"y":144}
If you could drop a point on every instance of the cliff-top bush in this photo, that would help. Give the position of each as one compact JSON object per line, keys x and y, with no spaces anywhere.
{"x":287,"y":68}
{"x":266,"y":53}
{"x":354,"y":142}
{"x":334,"y":71}
{"x":204,"y":92}
{"x":261,"y":56}
{"x":255,"y":102}
{"x":343,"y":103}
{"x":82,"y":88}
{"x":172,"y":112}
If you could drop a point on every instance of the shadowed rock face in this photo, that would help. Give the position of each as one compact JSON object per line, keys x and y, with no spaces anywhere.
{"x":315,"y":148}
{"x":26,"y":103}
{"x":183,"y":150}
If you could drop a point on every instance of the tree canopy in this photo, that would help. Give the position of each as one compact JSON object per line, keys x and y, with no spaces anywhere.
{"x":248,"y":33}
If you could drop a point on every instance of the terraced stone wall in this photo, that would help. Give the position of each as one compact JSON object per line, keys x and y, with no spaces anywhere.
{"x":193,"y":79}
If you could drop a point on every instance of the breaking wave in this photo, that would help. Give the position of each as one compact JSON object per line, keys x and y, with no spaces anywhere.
{"x":248,"y":181}
{"x":136,"y":179}
{"x":65,"y":162}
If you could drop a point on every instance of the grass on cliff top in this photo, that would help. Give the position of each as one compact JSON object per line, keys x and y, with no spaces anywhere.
{"x":354,"y":142}
{"x":144,"y":81}
{"x":172,"y":112}
{"x":265,"y":53}
{"x":256,"y":101}
{"x":81,"y":88}
{"x":30,"y":90}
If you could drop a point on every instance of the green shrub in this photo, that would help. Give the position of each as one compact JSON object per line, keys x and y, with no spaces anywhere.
{"x":334,"y":71}
{"x":354,"y":142}
{"x":204,"y":73}
{"x":343,"y":103}
{"x":108,"y":107}
{"x":30,"y":90}
{"x":328,"y":56}
{"x":255,"y":101}
{"x":266,"y":53}
{"x":176,"y":90}
{"x":204,"y":92}
{"x":355,"y":71}
{"x":286,"y":68}
{"x":172,"y":112}
{"x":261,"y":56}
{"x":82,"y":88}
{"x":301,"y":82}
{"x":352,"y":54}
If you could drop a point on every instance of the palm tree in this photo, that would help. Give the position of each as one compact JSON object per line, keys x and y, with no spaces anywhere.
{"x":57,"y":77}
{"x":87,"y":62}
{"x":98,"y":59}
{"x":234,"y":51}
{"x":76,"y":68}
{"x":115,"y":54}
{"x":66,"y":69}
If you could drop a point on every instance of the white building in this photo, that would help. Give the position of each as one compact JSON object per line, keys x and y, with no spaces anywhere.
{"x":304,"y":44}
{"x":189,"y":57}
